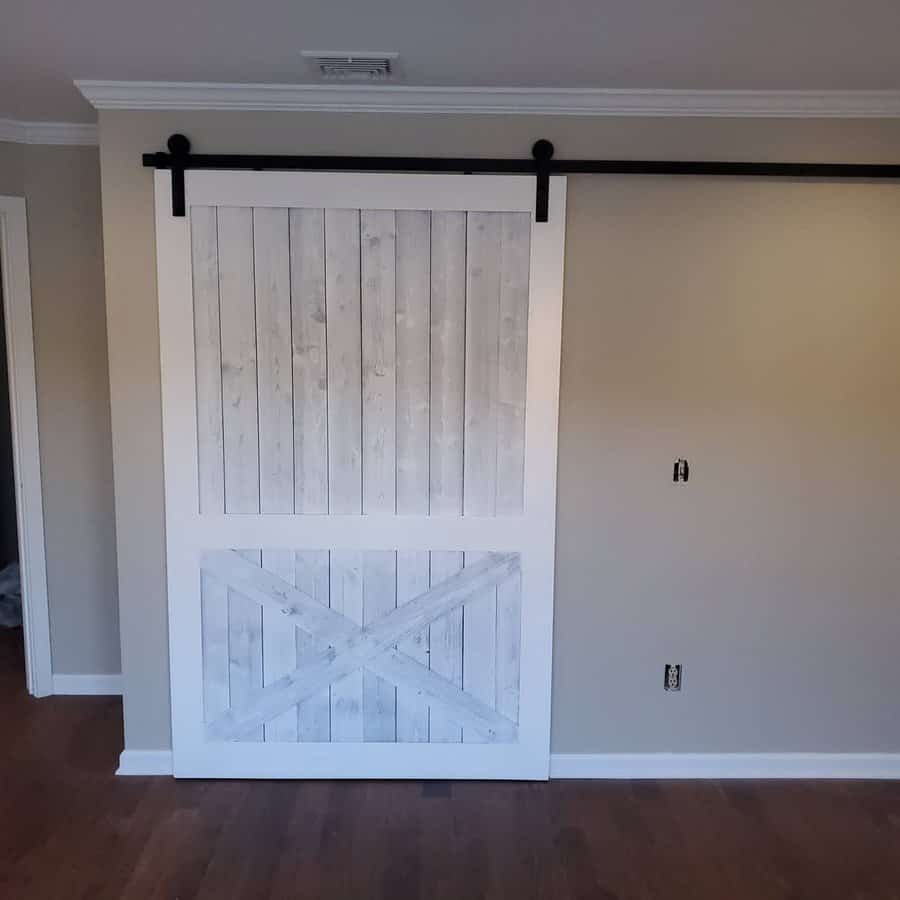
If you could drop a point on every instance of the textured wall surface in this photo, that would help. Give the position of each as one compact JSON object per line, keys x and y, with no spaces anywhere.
{"x":61,"y":186}
{"x":750,"y":326}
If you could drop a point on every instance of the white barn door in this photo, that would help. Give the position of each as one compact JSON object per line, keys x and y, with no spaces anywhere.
{"x":360,"y":390}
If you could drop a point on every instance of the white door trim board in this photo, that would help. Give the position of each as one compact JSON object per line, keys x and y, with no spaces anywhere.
{"x":490,"y":100}
{"x":75,"y":134}
{"x":619,"y":766}
{"x":725,"y":765}
{"x":145,"y":762}
{"x":104,"y":684}
{"x":26,"y":445}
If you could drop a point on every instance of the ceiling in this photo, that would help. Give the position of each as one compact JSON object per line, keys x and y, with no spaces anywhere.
{"x":674,"y":44}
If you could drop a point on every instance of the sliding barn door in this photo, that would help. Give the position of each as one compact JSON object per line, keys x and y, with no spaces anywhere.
{"x":360,"y":387}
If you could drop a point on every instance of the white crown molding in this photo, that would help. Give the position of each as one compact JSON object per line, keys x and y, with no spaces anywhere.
{"x":490,"y":100}
{"x":884,"y":766}
{"x":77,"y":134}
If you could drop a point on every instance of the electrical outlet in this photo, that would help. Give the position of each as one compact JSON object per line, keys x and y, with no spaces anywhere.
{"x":672,"y":680}
{"x":681,"y":471}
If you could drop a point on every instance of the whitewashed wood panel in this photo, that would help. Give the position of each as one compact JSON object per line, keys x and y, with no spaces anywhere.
{"x":312,"y":575}
{"x":378,"y":240}
{"x":280,"y":634}
{"x":214,"y":637}
{"x":509,"y":646}
{"x":480,"y":647}
{"x":515,"y":259}
{"x":279,"y":646}
{"x":413,"y":345}
{"x":343,"y":326}
{"x":345,"y":647}
{"x":387,"y":350}
{"x":412,"y":710}
{"x":208,"y":358}
{"x":346,"y":590}
{"x":239,"y":390}
{"x":245,"y":661}
{"x":272,"y":279}
{"x":483,"y":260}
{"x":446,"y":414}
{"x":482,"y":339}
{"x":413,"y":439}
{"x":307,"y":241}
{"x":445,"y":640}
{"x":447,"y":363}
{"x":379,"y":598}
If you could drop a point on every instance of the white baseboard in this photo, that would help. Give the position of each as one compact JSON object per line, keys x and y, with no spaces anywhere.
{"x":145,"y":762}
{"x":875,"y":766}
{"x":88,"y":684}
{"x":725,"y":765}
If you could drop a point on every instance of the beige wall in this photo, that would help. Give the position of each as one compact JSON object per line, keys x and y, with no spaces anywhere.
{"x":12,"y":159}
{"x":61,"y":186}
{"x":751,"y":326}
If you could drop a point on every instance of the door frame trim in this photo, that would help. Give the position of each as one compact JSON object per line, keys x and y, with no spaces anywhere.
{"x":26,"y":443}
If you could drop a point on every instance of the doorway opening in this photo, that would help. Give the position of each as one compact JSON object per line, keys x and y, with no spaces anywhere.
{"x":12,"y":657}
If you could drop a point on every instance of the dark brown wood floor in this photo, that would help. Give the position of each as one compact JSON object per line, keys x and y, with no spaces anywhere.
{"x":70,"y":829}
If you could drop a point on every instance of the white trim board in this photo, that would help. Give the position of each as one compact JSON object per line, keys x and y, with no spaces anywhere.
{"x":725,"y":765}
{"x":145,"y":762}
{"x":76,"y":134}
{"x":619,"y":766}
{"x":91,"y":685}
{"x":15,"y":272}
{"x":490,"y":100}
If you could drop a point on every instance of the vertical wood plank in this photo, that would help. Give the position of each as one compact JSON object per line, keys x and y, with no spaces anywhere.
{"x":344,"y":363}
{"x":312,"y":575}
{"x":307,"y":241}
{"x":480,"y":647}
{"x":509,"y":638}
{"x":412,"y":710}
{"x":515,"y":260}
{"x":342,"y":299}
{"x":483,"y":247}
{"x":447,"y":392}
{"x":238,"y":325}
{"x":447,"y":365}
{"x":208,"y":358}
{"x":245,"y":662}
{"x":346,"y":587}
{"x":379,"y":598}
{"x":279,"y":646}
{"x":241,"y":436}
{"x":482,"y":339}
{"x":413,"y":438}
{"x":446,"y":645}
{"x":379,"y":361}
{"x":272,"y":279}
{"x":413,"y":339}
{"x":214,"y":629}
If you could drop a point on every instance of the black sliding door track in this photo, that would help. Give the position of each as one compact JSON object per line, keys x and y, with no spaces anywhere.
{"x":542,"y":165}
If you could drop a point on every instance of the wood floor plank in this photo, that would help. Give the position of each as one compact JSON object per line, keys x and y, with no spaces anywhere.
{"x":70,"y":828}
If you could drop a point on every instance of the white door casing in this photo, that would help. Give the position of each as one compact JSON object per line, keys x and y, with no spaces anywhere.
{"x":360,"y":379}
{"x":15,"y":294}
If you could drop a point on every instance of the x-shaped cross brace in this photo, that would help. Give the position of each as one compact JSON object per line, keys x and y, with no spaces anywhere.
{"x":342,"y":646}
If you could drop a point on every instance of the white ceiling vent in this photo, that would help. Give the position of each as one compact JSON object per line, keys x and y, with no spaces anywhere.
{"x":340,"y":65}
